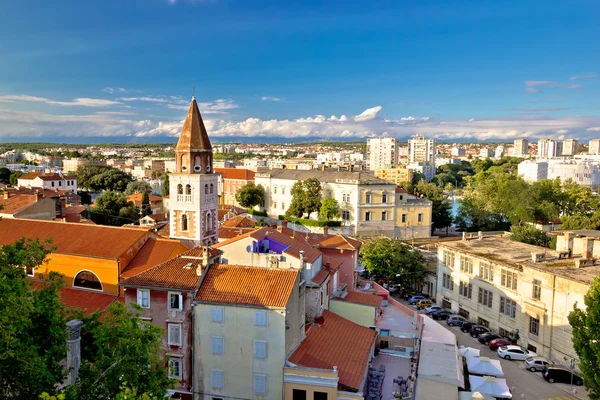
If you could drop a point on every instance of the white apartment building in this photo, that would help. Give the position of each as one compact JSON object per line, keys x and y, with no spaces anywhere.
{"x":499,"y":152}
{"x":586,"y":173}
{"x":548,"y":148}
{"x":382,"y":153}
{"x":533,"y":170}
{"x":427,"y":169}
{"x":517,"y":289}
{"x":570,"y":147}
{"x":48,"y":180}
{"x":458,"y":151}
{"x":486,"y":152}
{"x":521,"y":148}
{"x":421,"y":149}
{"x":594,"y":147}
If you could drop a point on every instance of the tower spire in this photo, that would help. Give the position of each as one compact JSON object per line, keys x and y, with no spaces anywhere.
{"x":193,"y":135}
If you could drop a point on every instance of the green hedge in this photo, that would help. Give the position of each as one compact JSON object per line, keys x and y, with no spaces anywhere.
{"x":257,"y":213}
{"x":311,"y":222}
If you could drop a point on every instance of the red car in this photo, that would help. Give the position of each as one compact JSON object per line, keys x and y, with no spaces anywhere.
{"x":494,"y":344}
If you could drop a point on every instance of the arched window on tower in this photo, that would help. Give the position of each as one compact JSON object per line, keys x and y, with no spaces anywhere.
{"x":180,"y":189}
{"x":184,"y":222}
{"x":211,"y":188}
{"x":188,"y":189}
{"x":205,"y":189}
{"x":197,"y":163}
{"x":88,"y":280}
{"x":209,"y":222}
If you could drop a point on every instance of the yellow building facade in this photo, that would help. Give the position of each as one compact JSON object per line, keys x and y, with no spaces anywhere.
{"x":398,"y":175}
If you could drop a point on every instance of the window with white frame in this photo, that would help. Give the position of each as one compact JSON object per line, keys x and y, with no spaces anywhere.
{"x":537,"y":289}
{"x":260,"y":349}
{"x":29,"y":271}
{"x":486,"y":271}
{"x":465,"y":289}
{"x":368,"y":198}
{"x":174,"y":338}
{"x":261,"y":318}
{"x":384,"y":197}
{"x":275,"y":189}
{"x":368,"y":216}
{"x":175,"y":368}
{"x":216,"y":314}
{"x":534,"y":326}
{"x":175,"y":301}
{"x":384,"y":215}
{"x":485,"y":297}
{"x":403,"y":218}
{"x":143,"y":298}
{"x":346,"y":215}
{"x":260,"y":384}
{"x":346,"y":197}
{"x":216,"y":378}
{"x":217,"y":345}
{"x":508,"y":307}
{"x":466,"y":265}
{"x":447,"y":282}
{"x":283,"y":190}
{"x":509,"y":279}
{"x":420,"y":218}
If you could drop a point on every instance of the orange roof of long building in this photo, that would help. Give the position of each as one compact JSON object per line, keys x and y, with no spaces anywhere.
{"x":77,"y":239}
{"x":176,"y":273}
{"x":236,"y":173}
{"x":45,"y":176}
{"x":152,"y":253}
{"x":16,"y":203}
{"x":85,"y":300}
{"x":337,"y":342}
{"x":256,"y":286}
{"x":367,"y":299}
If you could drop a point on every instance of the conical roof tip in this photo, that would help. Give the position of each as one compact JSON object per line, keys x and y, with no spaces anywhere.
{"x":193,"y":134}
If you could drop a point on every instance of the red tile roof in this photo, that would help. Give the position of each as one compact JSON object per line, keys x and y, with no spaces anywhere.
{"x":152,"y":253}
{"x":77,"y":239}
{"x":86,"y":300}
{"x":236,"y":173}
{"x":327,"y":241}
{"x":337,"y":342}
{"x":233,"y":239}
{"x":198,"y":251}
{"x":176,"y":273}
{"x":367,"y":299}
{"x":295,"y":244}
{"x":48,"y":176}
{"x":16,"y":203}
{"x":235,"y":284}
{"x":332,"y":263}
{"x":229,"y":233}
{"x":239,"y":222}
{"x":321,"y":276}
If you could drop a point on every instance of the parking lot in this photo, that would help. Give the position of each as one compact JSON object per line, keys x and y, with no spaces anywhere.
{"x":523,"y":383}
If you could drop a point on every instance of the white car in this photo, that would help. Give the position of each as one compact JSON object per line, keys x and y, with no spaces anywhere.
{"x":432,"y":308}
{"x":513,"y":352}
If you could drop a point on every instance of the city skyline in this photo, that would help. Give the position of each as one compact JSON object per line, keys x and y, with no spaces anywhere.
{"x":266,"y":71}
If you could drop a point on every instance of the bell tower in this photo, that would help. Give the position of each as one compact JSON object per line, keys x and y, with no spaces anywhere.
{"x":193,"y":186}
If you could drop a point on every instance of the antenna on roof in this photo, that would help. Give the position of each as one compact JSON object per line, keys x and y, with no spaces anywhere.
{"x":194,"y":92}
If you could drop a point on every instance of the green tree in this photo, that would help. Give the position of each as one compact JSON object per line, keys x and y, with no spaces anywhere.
{"x":138,"y":187}
{"x":530,"y":234}
{"x":113,"y":179}
{"x":306,"y":198}
{"x":5,"y":175}
{"x":14,"y":178}
{"x":87,"y":173}
{"x":394,"y":260}
{"x":126,"y":354}
{"x":146,"y":207}
{"x":330,"y":209}
{"x":250,"y":195}
{"x":586,"y":335}
{"x":165,"y":186}
{"x":441,"y":208}
{"x":113,"y":208}
{"x":32,"y":324}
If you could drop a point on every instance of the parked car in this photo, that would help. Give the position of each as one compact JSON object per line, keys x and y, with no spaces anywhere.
{"x":494,"y":344}
{"x":413,"y":300}
{"x":441,"y":314}
{"x":455,"y":320}
{"x":432,"y":308}
{"x":477,"y":330}
{"x":559,"y":373}
{"x":466,"y":326}
{"x":537,"y":363}
{"x":512,"y":352}
{"x":421,"y":304}
{"x":485,"y":338}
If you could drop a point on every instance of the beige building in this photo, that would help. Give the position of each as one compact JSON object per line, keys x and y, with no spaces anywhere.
{"x":71,"y":165}
{"x":594,"y":147}
{"x":421,"y":150}
{"x":247,"y":322}
{"x":369,"y":206}
{"x":518,"y":289}
{"x":570,"y":147}
{"x":398,"y":175}
{"x":382,"y":153}
{"x":521,"y":148}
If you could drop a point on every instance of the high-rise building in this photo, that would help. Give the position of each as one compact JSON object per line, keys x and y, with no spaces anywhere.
{"x":458,"y":151}
{"x":193,"y":185}
{"x":570,"y":147}
{"x":521,"y":148}
{"x":382,"y":153}
{"x":548,"y":148}
{"x":486,"y":152}
{"x":499,"y":152}
{"x":594,"y":147}
{"x":421,"y":149}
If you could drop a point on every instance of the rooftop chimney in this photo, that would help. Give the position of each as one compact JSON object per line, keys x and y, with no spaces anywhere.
{"x":63,"y":206}
{"x":464,"y":236}
{"x":284,"y":223}
{"x":325,"y":230}
{"x":5,"y":195}
{"x":38,"y":196}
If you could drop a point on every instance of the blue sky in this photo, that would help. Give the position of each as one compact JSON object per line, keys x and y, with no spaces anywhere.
{"x":314,"y":69}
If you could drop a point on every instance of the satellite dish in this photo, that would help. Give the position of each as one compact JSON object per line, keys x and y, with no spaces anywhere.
{"x":248,"y":249}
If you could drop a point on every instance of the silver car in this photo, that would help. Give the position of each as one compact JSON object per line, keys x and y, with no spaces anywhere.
{"x":537,"y":363}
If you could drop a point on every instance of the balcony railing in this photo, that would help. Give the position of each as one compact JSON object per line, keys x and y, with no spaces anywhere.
{"x":187,"y":198}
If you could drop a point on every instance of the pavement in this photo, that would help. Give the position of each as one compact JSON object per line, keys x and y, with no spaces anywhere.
{"x":524,"y":385}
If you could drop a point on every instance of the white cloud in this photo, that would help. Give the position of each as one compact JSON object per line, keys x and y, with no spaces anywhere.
{"x":407,"y":119}
{"x":145,"y":98}
{"x":532,"y":90}
{"x":219,"y":106}
{"x":270,"y":98}
{"x":114,"y":90}
{"x":594,"y":129}
{"x":549,"y":84}
{"x":82,"y":101}
{"x":584,"y":76}
{"x":472,"y":120}
{"x":368,"y":114}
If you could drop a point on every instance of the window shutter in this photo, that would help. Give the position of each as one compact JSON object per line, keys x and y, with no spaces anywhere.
{"x":260,"y":384}
{"x":260,"y":318}
{"x":260,"y":349}
{"x":139,"y":297}
{"x":216,"y":378}
{"x":174,"y":334}
{"x":216,"y":314}
{"x":180,"y":301}
{"x":217,"y":345}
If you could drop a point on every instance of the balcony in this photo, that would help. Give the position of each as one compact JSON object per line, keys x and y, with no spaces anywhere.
{"x":187,"y":198}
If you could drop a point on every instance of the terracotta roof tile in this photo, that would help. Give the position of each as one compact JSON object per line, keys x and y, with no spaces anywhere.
{"x":176,"y":273}
{"x":235,"y":284}
{"x":367,"y":299}
{"x":295,"y":244}
{"x":198,"y":251}
{"x":158,"y":217}
{"x":332,"y":263}
{"x":78,"y":239}
{"x":239,"y":221}
{"x":85,"y":300}
{"x":16,"y":203}
{"x":232,"y":240}
{"x":152,"y":253}
{"x":337,"y":342}
{"x":229,"y":233}
{"x":48,"y":176}
{"x":236,"y":173}
{"x":321,"y":276}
